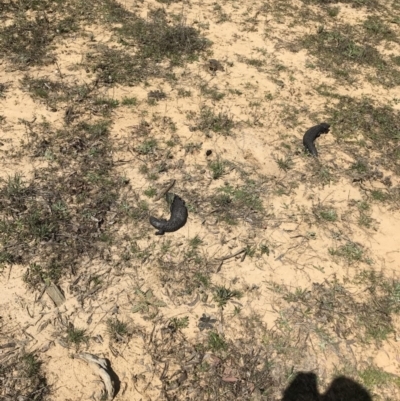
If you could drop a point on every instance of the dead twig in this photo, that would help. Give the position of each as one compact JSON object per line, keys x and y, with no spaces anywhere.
{"x":164,"y":191}
{"x":232,"y":256}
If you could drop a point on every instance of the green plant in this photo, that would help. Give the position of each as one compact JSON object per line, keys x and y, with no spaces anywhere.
{"x":147,"y":147}
{"x":213,"y":93}
{"x":146,"y":302}
{"x":264,"y":249}
{"x":217,"y":168}
{"x":221,"y":123}
{"x":222,"y":295}
{"x":150,"y":192}
{"x":178,"y":323}
{"x":328,"y":214}
{"x":76,"y":336}
{"x":30,"y":364}
{"x":285,"y":164}
{"x":216,"y":342}
{"x":379,"y":195}
{"x":373,"y":376}
{"x":117,"y":329}
{"x":129,"y":101}
{"x":350,"y":251}
{"x":195,"y":242}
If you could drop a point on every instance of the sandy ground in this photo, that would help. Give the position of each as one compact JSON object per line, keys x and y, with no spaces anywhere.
{"x":299,"y":255}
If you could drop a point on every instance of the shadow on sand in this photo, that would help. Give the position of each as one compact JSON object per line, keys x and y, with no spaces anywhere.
{"x":304,"y":388}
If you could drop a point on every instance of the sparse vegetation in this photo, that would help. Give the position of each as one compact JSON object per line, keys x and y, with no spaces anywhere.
{"x":234,"y":203}
{"x":117,"y":329}
{"x":103,"y":102}
{"x":350,"y":251}
{"x":217,"y":168}
{"x":147,"y":303}
{"x":23,"y":377}
{"x":76,"y":336}
{"x":222,"y":295}
{"x":40,"y":211}
{"x":220,"y":123}
{"x":341,"y":51}
{"x":285,"y":164}
{"x":327,"y":214}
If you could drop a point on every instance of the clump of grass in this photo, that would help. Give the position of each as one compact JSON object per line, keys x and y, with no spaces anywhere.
{"x":15,"y":189}
{"x":105,"y":105}
{"x":3,"y":89}
{"x":216,"y":342}
{"x":340,"y":51}
{"x":54,"y":218}
{"x":350,"y":251}
{"x":374,"y":377}
{"x":76,"y":336}
{"x":155,"y":40}
{"x":30,"y":365}
{"x":45,"y":89}
{"x":147,"y":147}
{"x":254,"y":62}
{"x":250,"y":251}
{"x":191,"y":271}
{"x":202,"y":279}
{"x":324,"y":175}
{"x":22,"y":377}
{"x":222,"y":295}
{"x":217,"y":168}
{"x":364,"y":220}
{"x":184,"y":93}
{"x":154,"y":96}
{"x":379,"y":195}
{"x":378,"y":30}
{"x":363,"y":3}
{"x":117,"y":329}
{"x":285,"y":164}
{"x":117,"y":66}
{"x":220,"y":123}
{"x":176,"y":323}
{"x":359,"y":167}
{"x":333,"y":11}
{"x":264,"y":249}
{"x":150,"y":192}
{"x":129,"y":101}
{"x":213,"y":92}
{"x":135,"y":212}
{"x":147,"y":303}
{"x":195,"y":242}
{"x":192,"y":147}
{"x":36,"y":275}
{"x":328,"y":214}
{"x":233,"y":370}
{"x":32,"y":49}
{"x":337,"y":311}
{"x":378,"y":124}
{"x":158,"y":39}
{"x":234,"y":203}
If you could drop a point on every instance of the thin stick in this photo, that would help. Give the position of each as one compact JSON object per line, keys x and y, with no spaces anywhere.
{"x":233,"y":255}
{"x":164,"y":191}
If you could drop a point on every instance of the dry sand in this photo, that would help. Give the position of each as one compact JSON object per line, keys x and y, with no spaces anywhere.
{"x":298,"y":244}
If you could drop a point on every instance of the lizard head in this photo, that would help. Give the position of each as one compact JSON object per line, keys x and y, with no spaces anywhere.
{"x":325,"y":127}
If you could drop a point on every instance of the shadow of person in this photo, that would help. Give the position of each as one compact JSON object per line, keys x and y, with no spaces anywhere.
{"x":344,"y":389}
{"x":304,"y":388}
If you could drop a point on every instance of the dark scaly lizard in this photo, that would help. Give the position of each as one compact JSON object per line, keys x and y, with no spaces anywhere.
{"x":312,"y":134}
{"x":179,"y":215}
